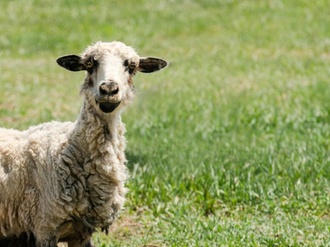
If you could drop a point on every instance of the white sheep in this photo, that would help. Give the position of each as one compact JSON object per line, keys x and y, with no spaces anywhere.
{"x":61,"y":180}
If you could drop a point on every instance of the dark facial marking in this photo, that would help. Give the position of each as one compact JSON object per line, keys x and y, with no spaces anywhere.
{"x":130,"y":66}
{"x":107,"y":107}
{"x":90,"y":81}
{"x":91,"y":65}
{"x":130,"y":82}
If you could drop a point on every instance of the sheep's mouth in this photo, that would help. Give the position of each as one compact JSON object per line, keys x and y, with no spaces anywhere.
{"x":108,"y":107}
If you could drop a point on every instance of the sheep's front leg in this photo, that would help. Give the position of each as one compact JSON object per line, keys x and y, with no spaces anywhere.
{"x":86,"y":243}
{"x":50,"y":242}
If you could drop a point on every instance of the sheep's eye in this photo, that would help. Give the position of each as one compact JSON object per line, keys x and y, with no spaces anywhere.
{"x":130,"y":66}
{"x":89,"y":65}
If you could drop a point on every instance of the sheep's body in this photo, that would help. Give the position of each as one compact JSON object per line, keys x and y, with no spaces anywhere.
{"x":59,"y":181}
{"x":45,"y":189}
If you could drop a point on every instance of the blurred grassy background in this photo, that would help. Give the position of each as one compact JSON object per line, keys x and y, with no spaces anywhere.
{"x":229,"y":146}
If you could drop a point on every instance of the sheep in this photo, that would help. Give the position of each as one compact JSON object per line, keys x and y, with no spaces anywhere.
{"x":59,"y":181}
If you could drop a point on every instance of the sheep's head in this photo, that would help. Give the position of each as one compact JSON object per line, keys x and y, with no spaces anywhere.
{"x":110,"y":68}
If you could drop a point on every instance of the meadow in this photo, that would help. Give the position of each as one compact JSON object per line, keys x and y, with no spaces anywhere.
{"x":229,"y":146}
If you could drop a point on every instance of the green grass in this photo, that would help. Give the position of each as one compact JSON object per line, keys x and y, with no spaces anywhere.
{"x":229,"y":146}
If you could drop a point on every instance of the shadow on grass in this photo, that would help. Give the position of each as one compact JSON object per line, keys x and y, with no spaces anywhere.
{"x":134,"y":158}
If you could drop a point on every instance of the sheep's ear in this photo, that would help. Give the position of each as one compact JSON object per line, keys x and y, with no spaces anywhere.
{"x":71,"y":62}
{"x":151,"y":64}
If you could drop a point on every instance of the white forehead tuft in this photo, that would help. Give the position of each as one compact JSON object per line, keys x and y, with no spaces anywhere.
{"x":101,"y":49}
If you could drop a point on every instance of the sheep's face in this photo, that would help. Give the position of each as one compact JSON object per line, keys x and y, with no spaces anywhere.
{"x":110,"y":68}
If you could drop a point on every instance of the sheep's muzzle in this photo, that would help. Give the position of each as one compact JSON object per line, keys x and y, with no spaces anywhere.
{"x":108,"y":97}
{"x":107,"y":107}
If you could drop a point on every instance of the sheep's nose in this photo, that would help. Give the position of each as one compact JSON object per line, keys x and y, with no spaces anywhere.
{"x":109,"y":88}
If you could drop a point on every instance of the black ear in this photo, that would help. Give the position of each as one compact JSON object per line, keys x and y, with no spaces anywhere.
{"x":71,"y":62}
{"x":151,"y":64}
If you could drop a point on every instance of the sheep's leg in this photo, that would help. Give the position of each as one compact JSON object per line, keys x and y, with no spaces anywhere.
{"x":86,"y":243}
{"x":89,"y":244}
{"x":24,"y":240}
{"x":76,"y":244}
{"x":52,"y":242}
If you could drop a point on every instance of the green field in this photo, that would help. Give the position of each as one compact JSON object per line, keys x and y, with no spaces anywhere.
{"x":229,"y":146}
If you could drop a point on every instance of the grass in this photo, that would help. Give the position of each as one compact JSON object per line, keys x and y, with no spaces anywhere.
{"x":229,"y":146}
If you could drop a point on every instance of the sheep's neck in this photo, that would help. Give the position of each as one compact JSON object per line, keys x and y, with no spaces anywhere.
{"x":103,"y":145}
{"x":92,"y":127}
